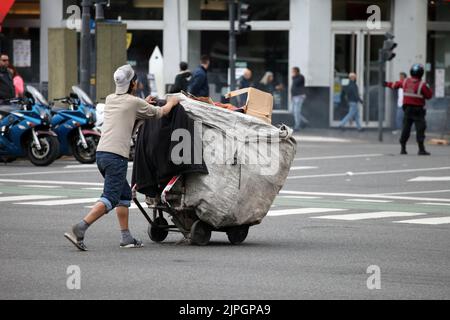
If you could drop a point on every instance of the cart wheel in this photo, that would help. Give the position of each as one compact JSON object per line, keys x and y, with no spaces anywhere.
{"x":157,"y":234}
{"x":200,"y":233}
{"x":237,"y":235}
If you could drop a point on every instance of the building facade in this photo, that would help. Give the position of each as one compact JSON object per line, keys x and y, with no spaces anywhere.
{"x":327,"y":39}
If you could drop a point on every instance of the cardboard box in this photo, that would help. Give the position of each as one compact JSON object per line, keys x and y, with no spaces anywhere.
{"x":259,"y":103}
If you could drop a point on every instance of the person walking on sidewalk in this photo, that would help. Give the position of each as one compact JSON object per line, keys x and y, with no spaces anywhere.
{"x":351,"y":93}
{"x":198,"y":86}
{"x":415,"y":94}
{"x":298,"y":94}
{"x":182,"y":79}
{"x":122,"y":109}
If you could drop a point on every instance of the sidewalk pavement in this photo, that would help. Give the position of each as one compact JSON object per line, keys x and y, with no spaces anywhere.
{"x":352,"y":135}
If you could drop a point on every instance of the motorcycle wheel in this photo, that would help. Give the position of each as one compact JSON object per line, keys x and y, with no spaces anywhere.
{"x":85,"y":155}
{"x":48,"y":153}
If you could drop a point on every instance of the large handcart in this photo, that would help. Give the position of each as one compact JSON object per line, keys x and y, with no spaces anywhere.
{"x":184,"y":219}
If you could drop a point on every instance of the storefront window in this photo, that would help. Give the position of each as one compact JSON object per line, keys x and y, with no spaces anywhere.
{"x":438,"y":56}
{"x":259,"y":9}
{"x":357,"y":9}
{"x":127,"y":10}
{"x":143,"y":42}
{"x":439,"y":10}
{"x":260,"y":51}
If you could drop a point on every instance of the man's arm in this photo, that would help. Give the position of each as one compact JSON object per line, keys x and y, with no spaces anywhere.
{"x":147,"y":110}
{"x":394,"y":85}
{"x":427,"y":92}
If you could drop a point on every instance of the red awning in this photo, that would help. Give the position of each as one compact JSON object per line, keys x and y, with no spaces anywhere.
{"x":5,"y":5}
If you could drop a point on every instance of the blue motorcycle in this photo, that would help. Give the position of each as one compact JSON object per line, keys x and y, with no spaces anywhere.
{"x":25,"y":130}
{"x":75,"y":126}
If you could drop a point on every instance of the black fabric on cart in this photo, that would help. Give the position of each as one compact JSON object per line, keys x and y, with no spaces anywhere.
{"x":152,"y":161}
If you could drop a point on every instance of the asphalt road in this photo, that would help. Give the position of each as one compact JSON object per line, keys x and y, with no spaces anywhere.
{"x":347,"y":205}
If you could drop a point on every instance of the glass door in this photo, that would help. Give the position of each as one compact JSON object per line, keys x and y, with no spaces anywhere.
{"x":356,"y":51}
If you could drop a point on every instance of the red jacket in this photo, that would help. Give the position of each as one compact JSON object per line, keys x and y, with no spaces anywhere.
{"x":415,"y":91}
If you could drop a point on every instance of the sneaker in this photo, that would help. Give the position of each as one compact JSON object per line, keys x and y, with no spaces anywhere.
{"x":135,"y":244}
{"x":77,"y":242}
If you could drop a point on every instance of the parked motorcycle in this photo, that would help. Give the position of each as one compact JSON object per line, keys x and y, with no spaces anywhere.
{"x":25,"y":130}
{"x":75,"y":126}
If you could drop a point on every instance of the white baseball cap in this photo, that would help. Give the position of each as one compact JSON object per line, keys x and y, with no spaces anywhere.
{"x":122,"y":77}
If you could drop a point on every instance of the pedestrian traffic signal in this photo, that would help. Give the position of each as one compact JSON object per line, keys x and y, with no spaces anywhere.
{"x":244,"y":17}
{"x":388,"y":48}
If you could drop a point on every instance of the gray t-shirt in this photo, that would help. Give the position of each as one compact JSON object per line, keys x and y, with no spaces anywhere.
{"x":121,"y":111}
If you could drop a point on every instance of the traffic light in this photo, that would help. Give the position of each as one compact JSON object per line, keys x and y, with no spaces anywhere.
{"x":244,"y":17}
{"x":388,"y":47}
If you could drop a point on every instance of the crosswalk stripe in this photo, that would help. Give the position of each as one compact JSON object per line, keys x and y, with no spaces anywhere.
{"x":432,"y":221}
{"x":302,"y":168}
{"x":369,"y":200}
{"x":301,"y":211}
{"x":299,"y":197}
{"x":370,"y":215}
{"x":26,"y":197}
{"x":60,"y":202}
{"x":39,"y":186}
{"x":434,"y":204}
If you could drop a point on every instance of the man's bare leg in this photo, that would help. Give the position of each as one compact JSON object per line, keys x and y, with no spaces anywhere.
{"x":98,"y":210}
{"x":127,"y":239}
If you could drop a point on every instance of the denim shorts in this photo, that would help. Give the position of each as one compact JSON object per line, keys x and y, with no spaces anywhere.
{"x":116,"y":189}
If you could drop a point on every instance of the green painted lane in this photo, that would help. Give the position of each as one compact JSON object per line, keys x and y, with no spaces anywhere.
{"x":367,"y":206}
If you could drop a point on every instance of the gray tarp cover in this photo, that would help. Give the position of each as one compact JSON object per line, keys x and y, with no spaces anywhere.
{"x":248,"y":162}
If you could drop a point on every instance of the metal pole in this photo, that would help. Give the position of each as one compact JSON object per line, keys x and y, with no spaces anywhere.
{"x":367,"y":80}
{"x":380,"y":95}
{"x":232,"y":45}
{"x":85,"y":45}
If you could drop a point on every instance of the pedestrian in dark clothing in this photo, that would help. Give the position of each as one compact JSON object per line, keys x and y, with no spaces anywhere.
{"x":182,"y":79}
{"x":198,"y":86}
{"x":351,"y":94}
{"x":298,"y":97}
{"x":7,"y":90}
{"x":245,"y":81}
{"x":415,"y":92}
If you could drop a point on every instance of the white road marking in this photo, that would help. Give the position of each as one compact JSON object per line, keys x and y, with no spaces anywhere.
{"x":432,"y":221}
{"x":429,"y":179}
{"x":356,"y":195}
{"x":82,"y":166}
{"x":321,"y":139}
{"x":348,"y":156}
{"x":95,"y":188}
{"x":26,"y":197}
{"x":302,"y":168}
{"x":273,"y":213}
{"x":415,"y":192}
{"x":299,"y":197}
{"x":365,"y":173}
{"x":369,"y":200}
{"x":46,"y":172}
{"x":38,"y":186}
{"x":434,"y":204}
{"x":369,"y":215}
{"x":60,"y":202}
{"x":74,"y":183}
